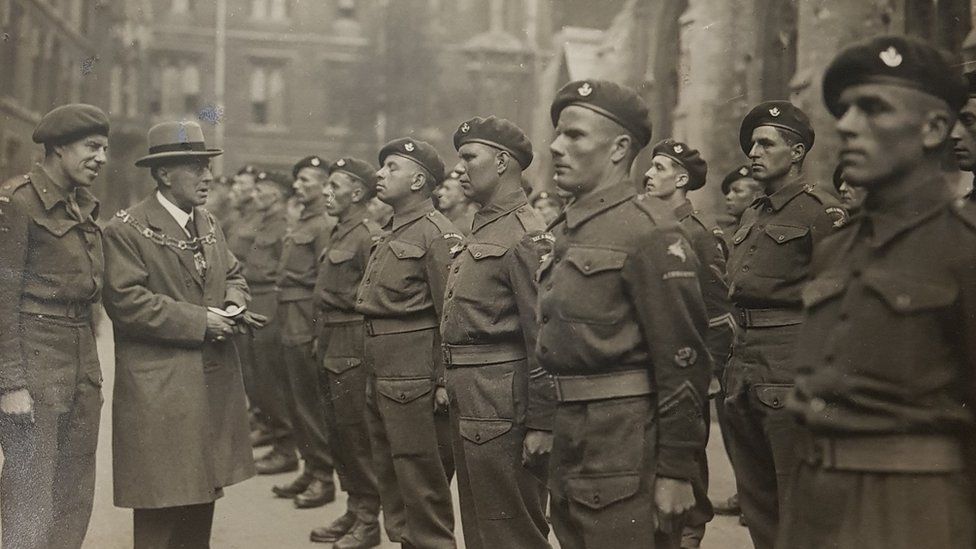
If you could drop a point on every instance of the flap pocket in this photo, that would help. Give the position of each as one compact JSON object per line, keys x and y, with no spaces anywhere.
{"x":481,"y":250}
{"x":480,"y":431}
{"x":301,"y":238}
{"x":340,"y":256}
{"x":407,"y":250}
{"x":599,"y":492}
{"x":337,"y":365}
{"x":741,"y":234}
{"x":404,"y":390}
{"x":785,"y":233}
{"x":57,"y":227}
{"x":905,"y":295}
{"x":772,"y":394}
{"x":822,"y":289}
{"x":591,"y":261}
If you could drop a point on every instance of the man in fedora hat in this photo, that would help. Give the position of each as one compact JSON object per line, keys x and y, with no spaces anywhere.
{"x":174,"y":293}
{"x":50,"y":381}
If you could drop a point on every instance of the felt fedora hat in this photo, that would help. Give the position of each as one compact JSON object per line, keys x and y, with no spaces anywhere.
{"x":173,"y":140}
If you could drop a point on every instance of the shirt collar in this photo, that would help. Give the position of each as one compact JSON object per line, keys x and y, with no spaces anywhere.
{"x":506,"y":203}
{"x":52,"y":194}
{"x":783,"y":196}
{"x":684,"y":209}
{"x":905,"y":213}
{"x":412,"y":213}
{"x":587,"y":207}
{"x":179,"y":215}
{"x":353,"y":220}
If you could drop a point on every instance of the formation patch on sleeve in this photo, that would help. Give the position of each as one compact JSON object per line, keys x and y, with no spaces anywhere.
{"x":452,"y":235}
{"x":543,"y":237}
{"x":838,"y":215}
{"x":679,"y":274}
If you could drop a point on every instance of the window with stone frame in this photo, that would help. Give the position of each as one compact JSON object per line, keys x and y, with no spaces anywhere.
{"x":267,"y":87}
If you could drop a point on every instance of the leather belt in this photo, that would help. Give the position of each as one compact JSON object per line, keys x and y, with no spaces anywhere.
{"x":768,"y":318}
{"x":262,"y":287}
{"x":477,"y":355}
{"x":333,"y":317}
{"x":62,"y":309}
{"x":399,"y":325}
{"x":626,"y":383}
{"x":887,"y":453}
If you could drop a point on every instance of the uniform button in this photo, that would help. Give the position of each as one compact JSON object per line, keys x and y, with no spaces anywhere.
{"x":780,"y":238}
{"x":477,"y":254}
{"x":752,"y":248}
{"x":360,"y":300}
{"x":545,"y":319}
{"x":477,"y":437}
{"x":818,"y":405}
{"x":745,"y":269}
{"x":557,"y":260}
{"x":769,"y":210}
{"x":403,"y":396}
{"x":775,"y":401}
{"x":450,"y":294}
{"x":456,"y":269}
{"x":548,"y":287}
{"x":596,"y":498}
{"x":586,"y":267}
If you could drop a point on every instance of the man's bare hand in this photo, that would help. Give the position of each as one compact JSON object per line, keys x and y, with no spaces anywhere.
{"x":254,"y":320}
{"x":18,"y":404}
{"x":441,"y":400}
{"x":218,"y":327}
{"x":672,"y":499}
{"x":536,"y":446}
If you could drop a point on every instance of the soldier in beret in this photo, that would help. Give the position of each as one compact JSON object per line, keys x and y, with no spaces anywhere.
{"x":768,"y":264}
{"x":297,"y":272}
{"x":261,"y":241}
{"x":501,"y":400}
{"x":452,"y":202}
{"x":401,"y":297}
{"x":50,"y":379}
{"x":886,"y":355}
{"x":352,"y":183}
{"x":548,"y":206}
{"x":175,"y":294}
{"x":964,"y":133}
{"x":851,"y":197}
{"x":622,"y":319}
{"x":675,"y":170}
{"x":740,"y":191}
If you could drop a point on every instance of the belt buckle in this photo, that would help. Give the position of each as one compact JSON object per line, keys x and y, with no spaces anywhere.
{"x":446,"y":354}
{"x":369,"y":327}
{"x":742,"y":315}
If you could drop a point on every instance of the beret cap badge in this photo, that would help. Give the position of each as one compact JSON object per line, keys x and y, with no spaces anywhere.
{"x":890,"y":57}
{"x":585,"y":89}
{"x":315,"y":162}
{"x":341,"y":162}
{"x":409,"y":147}
{"x":465,"y":128}
{"x":743,"y":171}
{"x":678,"y":148}
{"x":774,"y":112}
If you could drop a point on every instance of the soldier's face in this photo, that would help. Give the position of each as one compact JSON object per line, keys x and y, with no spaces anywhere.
{"x":189,"y":183}
{"x":884,"y":131}
{"x":397,"y":178}
{"x":742,"y":193}
{"x":581,"y":149}
{"x":477,"y":171}
{"x":664,"y":177}
{"x":81,"y":160}
{"x":449,"y":194}
{"x":770,"y":153}
{"x":341,"y":192}
{"x":308,"y":185}
{"x":265,"y":195}
{"x":964,"y":137}
{"x":851,"y":197}
{"x":242,"y":190}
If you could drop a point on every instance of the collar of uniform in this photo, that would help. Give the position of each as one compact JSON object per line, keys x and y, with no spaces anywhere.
{"x":783,"y":196}
{"x":354,"y":218}
{"x":312,"y":210}
{"x":412,"y":213}
{"x":905,"y":213}
{"x":684,"y":209}
{"x":504,"y":204}
{"x":51,"y":193}
{"x":584,"y":209}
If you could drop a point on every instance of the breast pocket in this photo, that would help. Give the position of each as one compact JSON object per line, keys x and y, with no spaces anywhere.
{"x":406,"y":271}
{"x":594,"y":276}
{"x":908,"y":296}
{"x":301,"y":253}
{"x":343,"y":276}
{"x":789,"y":254}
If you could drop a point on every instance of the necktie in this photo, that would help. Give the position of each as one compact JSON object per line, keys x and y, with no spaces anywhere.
{"x":191,"y":228}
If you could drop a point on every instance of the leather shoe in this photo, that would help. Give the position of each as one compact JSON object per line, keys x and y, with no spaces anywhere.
{"x":260,"y":437}
{"x":334,"y":531}
{"x":362,"y":536}
{"x":294,"y":487}
{"x":728,"y":506}
{"x":275,"y":462}
{"x":317,"y":494}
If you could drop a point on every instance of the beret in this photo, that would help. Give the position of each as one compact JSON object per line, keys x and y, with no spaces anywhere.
{"x":899,"y":61}
{"x":778,"y":114}
{"x":418,"y":151}
{"x":314,"y":161}
{"x":687,"y":157}
{"x":274,"y":178}
{"x":356,"y":168}
{"x":496,"y":132}
{"x":69,"y":122}
{"x":971,"y":83}
{"x":742,"y":172}
{"x":618,"y":103}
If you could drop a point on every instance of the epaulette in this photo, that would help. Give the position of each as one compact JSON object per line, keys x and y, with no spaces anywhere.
{"x":372,"y":227}
{"x":440,"y":221}
{"x":820,"y":195}
{"x":657,"y":210}
{"x":530,"y":219}
{"x":8,"y":187}
{"x":966,"y":210}
{"x":707,"y":223}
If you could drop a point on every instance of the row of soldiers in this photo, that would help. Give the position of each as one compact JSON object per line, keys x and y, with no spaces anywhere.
{"x":569,"y":362}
